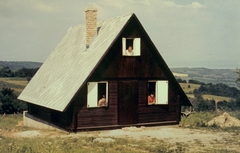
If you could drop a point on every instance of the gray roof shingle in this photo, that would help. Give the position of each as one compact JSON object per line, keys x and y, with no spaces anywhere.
{"x":70,"y":64}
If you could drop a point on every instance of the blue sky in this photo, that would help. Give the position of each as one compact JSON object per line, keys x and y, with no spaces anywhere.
{"x":187,"y":33}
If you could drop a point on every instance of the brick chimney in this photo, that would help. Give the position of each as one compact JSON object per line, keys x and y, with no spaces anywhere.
{"x":91,"y":24}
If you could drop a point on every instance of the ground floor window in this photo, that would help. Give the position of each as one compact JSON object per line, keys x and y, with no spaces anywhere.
{"x":97,"y":95}
{"x":157,"y":92}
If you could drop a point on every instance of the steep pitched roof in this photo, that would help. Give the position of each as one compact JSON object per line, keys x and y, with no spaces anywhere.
{"x":70,"y":63}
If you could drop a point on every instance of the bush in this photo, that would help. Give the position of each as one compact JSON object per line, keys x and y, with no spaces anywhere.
{"x":200,"y":104}
{"x":9,"y":103}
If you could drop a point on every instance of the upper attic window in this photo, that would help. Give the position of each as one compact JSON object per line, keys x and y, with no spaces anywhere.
{"x":131,"y":46}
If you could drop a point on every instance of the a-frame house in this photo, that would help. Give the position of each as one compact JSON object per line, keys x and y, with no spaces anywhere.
{"x":94,"y":60}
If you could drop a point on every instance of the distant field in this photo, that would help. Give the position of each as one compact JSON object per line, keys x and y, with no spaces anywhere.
{"x":210,"y":97}
{"x":189,"y":87}
{"x":17,"y":84}
{"x":216,"y":98}
{"x":180,"y":74}
{"x":225,"y":76}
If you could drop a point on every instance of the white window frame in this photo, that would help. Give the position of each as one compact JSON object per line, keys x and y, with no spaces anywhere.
{"x":161,"y":91}
{"x":92,"y":94}
{"x":136,"y":46}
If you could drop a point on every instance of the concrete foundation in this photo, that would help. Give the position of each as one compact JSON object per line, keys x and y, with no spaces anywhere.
{"x":31,"y":121}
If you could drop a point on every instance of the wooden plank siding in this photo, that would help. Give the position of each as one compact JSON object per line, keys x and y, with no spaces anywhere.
{"x":155,"y":113}
{"x":100,"y":116}
{"x":127,"y":78}
{"x":113,"y":68}
{"x":61,"y":119}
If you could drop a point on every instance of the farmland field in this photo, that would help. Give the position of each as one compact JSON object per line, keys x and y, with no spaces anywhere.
{"x":189,"y":87}
{"x":216,"y":98}
{"x":17,"y":84}
{"x":212,"y":97}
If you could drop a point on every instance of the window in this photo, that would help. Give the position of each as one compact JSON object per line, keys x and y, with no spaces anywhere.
{"x":131,"y":46}
{"x":157,"y":92}
{"x":97,"y":95}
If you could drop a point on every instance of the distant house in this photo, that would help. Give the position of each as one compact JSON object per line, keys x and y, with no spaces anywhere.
{"x":115,"y":59}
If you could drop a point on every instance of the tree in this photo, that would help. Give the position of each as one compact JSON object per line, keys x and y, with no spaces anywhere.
{"x":238,"y":72}
{"x":200,"y":104}
{"x":24,"y":72}
{"x":6,"y":72}
{"x":179,"y":80}
{"x":9,"y":103}
{"x":195,"y":82}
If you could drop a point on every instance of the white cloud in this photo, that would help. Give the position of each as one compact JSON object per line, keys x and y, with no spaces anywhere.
{"x":197,"y":5}
{"x":45,"y":7}
{"x":172,"y":4}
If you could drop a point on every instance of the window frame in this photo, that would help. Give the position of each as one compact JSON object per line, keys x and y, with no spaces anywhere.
{"x":136,"y":46}
{"x":93,"y":93}
{"x":161,"y":92}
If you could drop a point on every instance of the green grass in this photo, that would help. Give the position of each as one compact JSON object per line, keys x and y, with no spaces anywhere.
{"x":198,"y":119}
{"x":10,"y":122}
{"x":189,"y":87}
{"x":212,"y":97}
{"x":216,"y":98}
{"x":82,"y":144}
{"x":74,"y":144}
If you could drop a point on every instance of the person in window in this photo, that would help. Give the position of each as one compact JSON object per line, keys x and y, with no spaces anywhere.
{"x":129,"y":51}
{"x":102,"y":102}
{"x":151,"y":99}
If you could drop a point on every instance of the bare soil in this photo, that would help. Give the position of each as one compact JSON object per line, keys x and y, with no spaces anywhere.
{"x":195,"y":138}
{"x":224,"y":120}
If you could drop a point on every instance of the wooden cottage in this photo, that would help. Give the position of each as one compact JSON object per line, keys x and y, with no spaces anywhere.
{"x":100,"y":76}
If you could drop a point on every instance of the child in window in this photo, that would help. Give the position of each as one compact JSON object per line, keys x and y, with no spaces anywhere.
{"x":151,"y":99}
{"x":129,"y":51}
{"x":102,"y":102}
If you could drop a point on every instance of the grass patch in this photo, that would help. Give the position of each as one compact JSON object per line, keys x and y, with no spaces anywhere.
{"x":85,"y":144}
{"x":17,"y":84}
{"x":75,"y":144}
{"x":216,"y":98}
{"x":80,"y":144}
{"x":212,"y":97}
{"x":11,"y":122}
{"x":189,"y":87}
{"x":198,"y":119}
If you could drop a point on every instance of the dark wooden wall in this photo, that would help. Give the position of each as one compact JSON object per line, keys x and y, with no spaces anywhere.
{"x":156,"y":113}
{"x":101,"y":116}
{"x":61,"y":119}
{"x":113,"y":68}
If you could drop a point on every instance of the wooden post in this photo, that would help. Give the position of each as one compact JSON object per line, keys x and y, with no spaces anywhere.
{"x":216,"y":108}
{"x":178,"y":109}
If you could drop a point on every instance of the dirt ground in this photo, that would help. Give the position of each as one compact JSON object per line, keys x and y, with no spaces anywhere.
{"x":196,"y":138}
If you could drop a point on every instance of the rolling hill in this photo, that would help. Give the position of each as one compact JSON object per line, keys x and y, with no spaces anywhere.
{"x":226,"y":76}
{"x":14,"y":65}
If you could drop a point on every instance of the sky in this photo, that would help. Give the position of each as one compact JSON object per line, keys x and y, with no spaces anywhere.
{"x":187,"y":33}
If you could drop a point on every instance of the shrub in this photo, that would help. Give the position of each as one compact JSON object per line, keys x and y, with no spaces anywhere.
{"x":9,"y":103}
